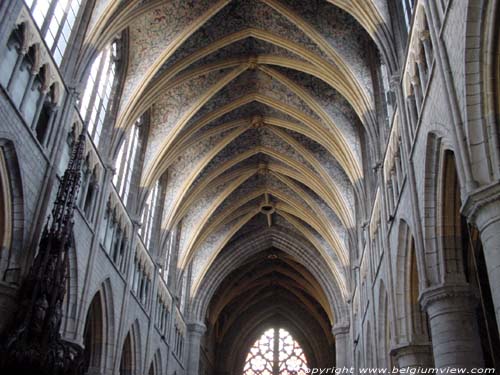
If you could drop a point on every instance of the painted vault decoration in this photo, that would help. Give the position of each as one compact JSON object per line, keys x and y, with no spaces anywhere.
{"x":255,"y":113}
{"x":250,"y":102}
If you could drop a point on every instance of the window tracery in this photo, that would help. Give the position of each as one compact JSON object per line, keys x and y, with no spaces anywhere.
{"x":276,"y":352}
{"x":148,"y":216}
{"x":95,"y":100}
{"x":125,"y":163}
{"x":165,"y":268}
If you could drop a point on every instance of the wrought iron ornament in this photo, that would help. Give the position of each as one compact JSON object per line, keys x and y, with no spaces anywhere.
{"x":32,"y":343}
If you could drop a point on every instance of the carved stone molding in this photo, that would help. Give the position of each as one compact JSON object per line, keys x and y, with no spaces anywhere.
{"x":480,"y":199}
{"x":461,"y":295}
{"x":410,"y":349}
{"x":196,"y":328}
{"x":413,"y":355}
{"x":341,"y":328}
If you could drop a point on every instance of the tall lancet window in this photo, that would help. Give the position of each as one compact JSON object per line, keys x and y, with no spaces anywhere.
{"x":408,"y":7}
{"x":56,"y":19}
{"x":276,"y":353}
{"x":148,"y":216}
{"x":95,"y":100}
{"x":125,"y":162}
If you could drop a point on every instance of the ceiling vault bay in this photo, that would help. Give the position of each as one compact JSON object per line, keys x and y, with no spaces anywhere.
{"x":260,"y":113}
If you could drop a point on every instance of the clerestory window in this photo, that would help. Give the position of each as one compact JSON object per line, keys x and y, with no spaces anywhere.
{"x":125,"y":163}
{"x":96,"y":97}
{"x":55,"y":19}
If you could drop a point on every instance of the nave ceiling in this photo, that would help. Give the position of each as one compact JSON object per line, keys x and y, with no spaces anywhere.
{"x":261,"y":112}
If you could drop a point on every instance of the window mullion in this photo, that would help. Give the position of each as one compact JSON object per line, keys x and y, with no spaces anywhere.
{"x":48,"y":18}
{"x":276,"y":352}
{"x":32,"y":5}
{"x":93,"y":93}
{"x":60,"y":28}
{"x":122,"y":167}
{"x":101,"y":105}
{"x":97,"y":129}
{"x":131,"y":165}
{"x":127,"y":164}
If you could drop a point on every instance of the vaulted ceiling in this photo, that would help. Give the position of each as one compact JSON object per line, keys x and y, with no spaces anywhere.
{"x":260,"y":113}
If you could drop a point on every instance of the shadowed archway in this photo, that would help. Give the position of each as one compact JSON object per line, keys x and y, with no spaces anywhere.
{"x":270,"y":290}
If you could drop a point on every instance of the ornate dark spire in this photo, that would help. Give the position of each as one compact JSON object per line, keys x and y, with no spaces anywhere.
{"x":33,"y":343}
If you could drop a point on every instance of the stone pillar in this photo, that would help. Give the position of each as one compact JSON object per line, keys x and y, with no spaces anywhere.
{"x":342,"y":345}
{"x":453,"y":324}
{"x":483,"y":209}
{"x":195,"y":331}
{"x":418,"y":356}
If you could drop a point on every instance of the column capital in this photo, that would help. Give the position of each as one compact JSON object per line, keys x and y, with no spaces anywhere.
{"x":111,"y":168}
{"x":403,"y":349}
{"x":414,"y":355}
{"x":198,"y":328}
{"x":341,"y":328}
{"x":453,"y":322}
{"x":449,"y":292}
{"x":136,"y":221}
{"x":480,"y":201}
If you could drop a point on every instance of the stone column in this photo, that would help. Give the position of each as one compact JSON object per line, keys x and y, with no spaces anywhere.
{"x":195,"y":331}
{"x":342,"y":345}
{"x":453,"y":324}
{"x":418,"y":356}
{"x":483,"y":209}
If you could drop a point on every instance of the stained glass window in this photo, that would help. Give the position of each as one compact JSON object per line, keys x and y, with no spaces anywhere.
{"x":276,"y":352}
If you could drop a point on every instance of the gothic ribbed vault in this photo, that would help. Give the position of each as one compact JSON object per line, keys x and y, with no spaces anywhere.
{"x":260,"y":113}
{"x":248,"y":179}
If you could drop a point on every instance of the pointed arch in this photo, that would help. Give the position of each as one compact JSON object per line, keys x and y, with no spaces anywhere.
{"x":94,"y":336}
{"x":155,"y":368}
{"x":449,"y":220}
{"x":130,"y":357}
{"x":419,"y":326}
{"x":242,"y":250}
{"x":368,"y":346}
{"x":461,"y":248}
{"x":71,"y":298}
{"x":11,"y":214}
{"x":434,"y":197}
{"x":412,"y":320}
{"x":98,"y":330}
{"x":383,"y":329}
{"x":482,"y":89}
